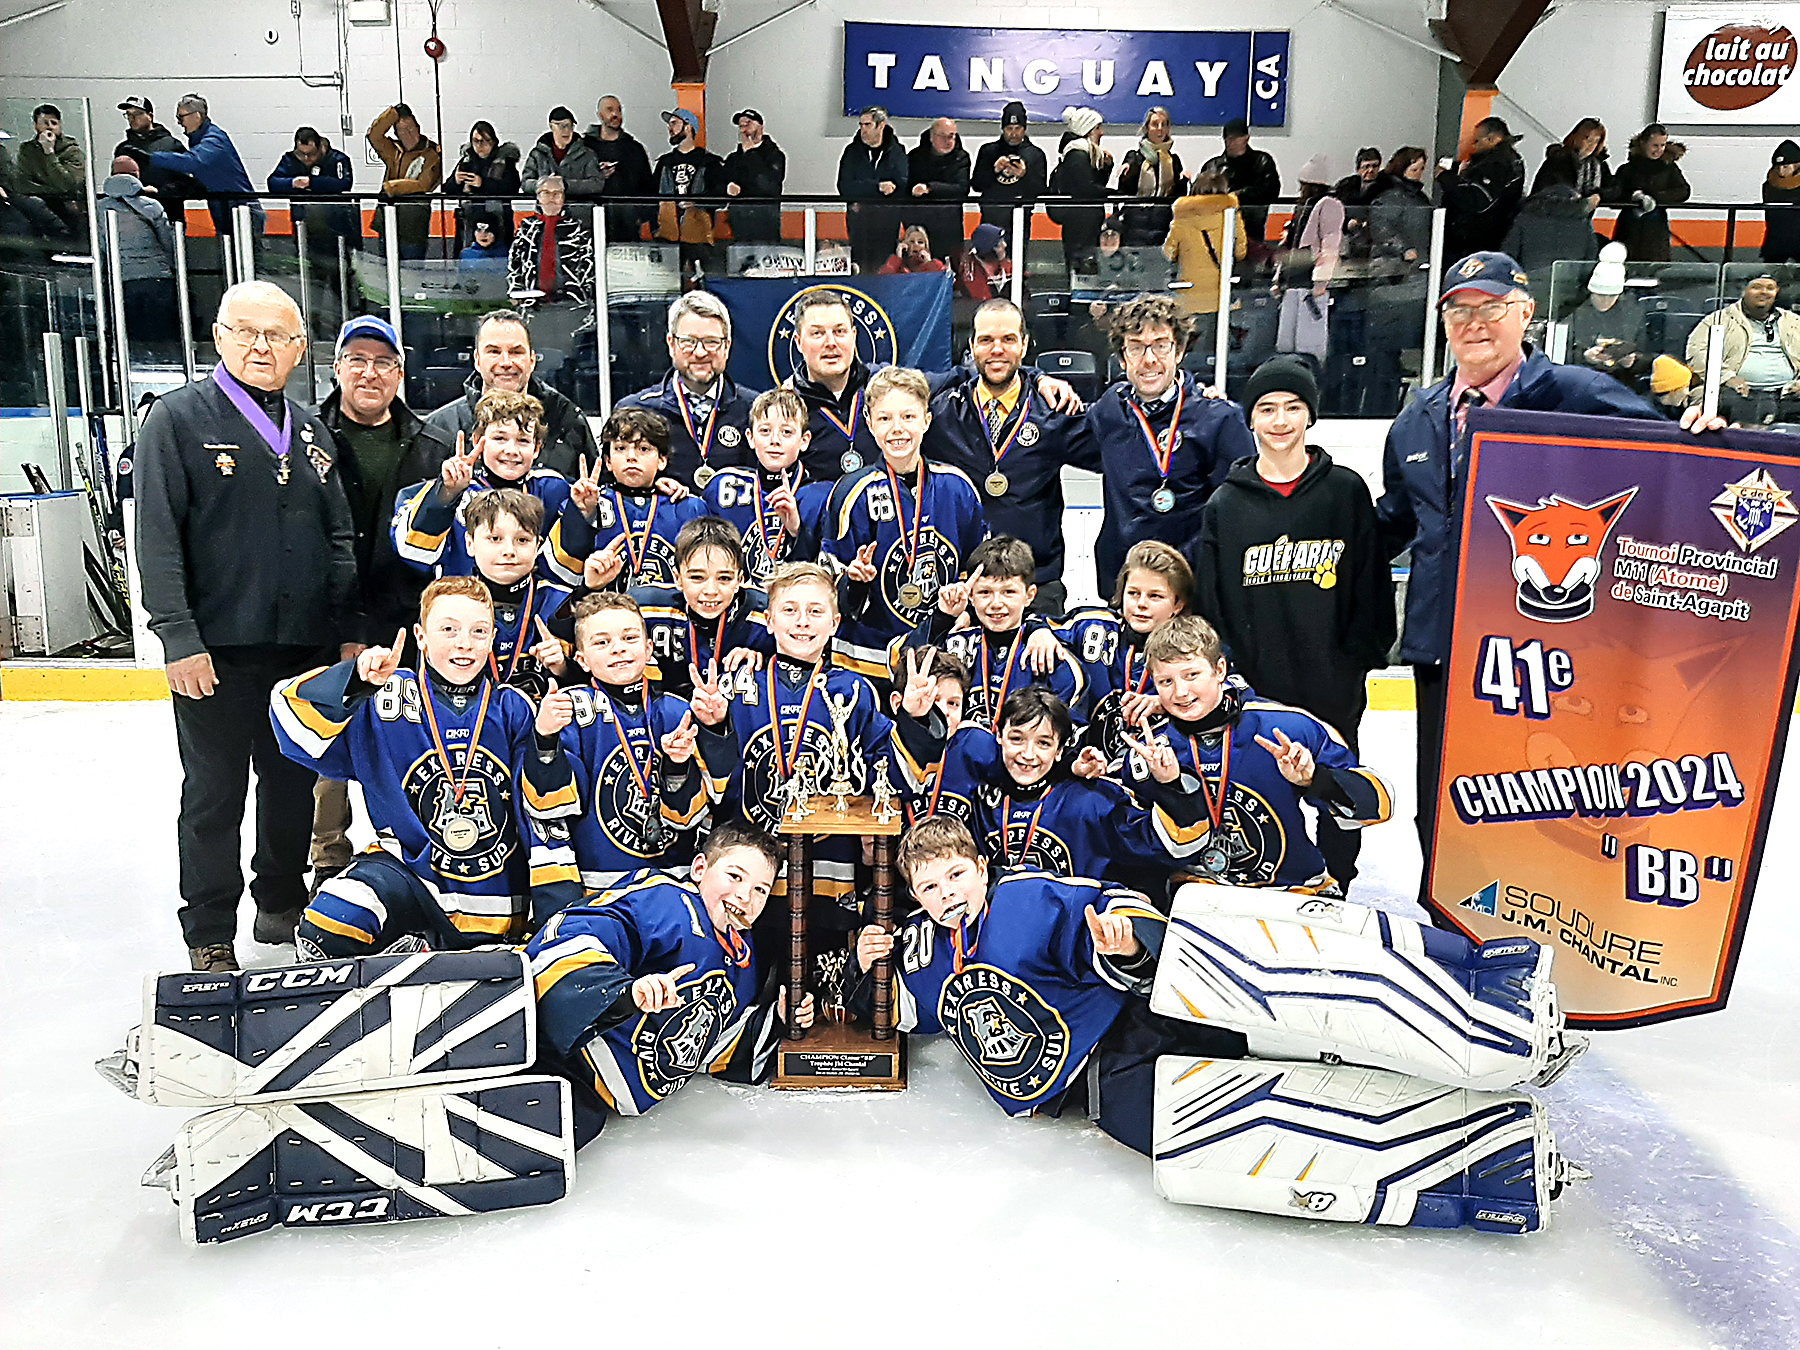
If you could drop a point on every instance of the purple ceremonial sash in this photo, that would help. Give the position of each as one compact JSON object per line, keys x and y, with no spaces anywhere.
{"x":277,"y":440}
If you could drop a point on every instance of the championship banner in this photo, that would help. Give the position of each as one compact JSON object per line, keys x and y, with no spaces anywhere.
{"x":1203,"y":78}
{"x":1621,"y":673}
{"x":900,"y":320}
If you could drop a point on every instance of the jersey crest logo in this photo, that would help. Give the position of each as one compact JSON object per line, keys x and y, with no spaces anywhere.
{"x":671,"y":1047}
{"x":1754,"y":510}
{"x":486,"y":804}
{"x":1556,"y":552}
{"x":1015,"y":1041}
{"x":932,"y":566}
{"x":876,"y":342}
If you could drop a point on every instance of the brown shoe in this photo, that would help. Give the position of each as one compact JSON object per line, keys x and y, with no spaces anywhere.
{"x":214,"y":958}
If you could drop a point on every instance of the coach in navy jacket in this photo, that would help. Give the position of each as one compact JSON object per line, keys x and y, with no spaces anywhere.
{"x":697,"y":398}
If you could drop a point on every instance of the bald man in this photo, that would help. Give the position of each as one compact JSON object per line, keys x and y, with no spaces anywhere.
{"x":247,"y":553}
{"x":938,"y":173}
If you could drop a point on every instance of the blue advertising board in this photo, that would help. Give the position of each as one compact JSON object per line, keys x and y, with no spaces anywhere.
{"x":1204,"y":78}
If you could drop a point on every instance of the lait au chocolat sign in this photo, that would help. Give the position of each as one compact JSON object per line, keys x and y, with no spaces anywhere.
{"x":1731,"y":65}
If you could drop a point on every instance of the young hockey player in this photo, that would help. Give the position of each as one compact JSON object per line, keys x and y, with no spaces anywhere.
{"x":757,"y":734}
{"x":635,"y":513}
{"x":505,"y":535}
{"x":1027,"y":809}
{"x":1000,"y":590}
{"x":655,"y":981}
{"x":1255,"y":760}
{"x":777,"y":512}
{"x":447,"y":758}
{"x":708,"y":617}
{"x":902,"y":528}
{"x":642,"y":785}
{"x":1292,"y":576}
{"x":501,"y":450}
{"x":1153,"y":586}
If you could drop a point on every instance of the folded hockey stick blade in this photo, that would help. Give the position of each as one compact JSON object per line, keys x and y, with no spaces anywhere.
{"x":372,"y":1157}
{"x":354,"y":1024}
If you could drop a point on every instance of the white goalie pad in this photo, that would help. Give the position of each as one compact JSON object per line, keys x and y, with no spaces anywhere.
{"x":1310,"y":978}
{"x":371,"y":1157}
{"x":350,"y":1025}
{"x":1352,"y":1145}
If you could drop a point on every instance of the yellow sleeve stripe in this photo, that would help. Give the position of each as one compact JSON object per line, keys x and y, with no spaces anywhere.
{"x":566,"y":564}
{"x":310,"y":728}
{"x":562,"y":798}
{"x":684,"y":814}
{"x":497,"y":925}
{"x":1180,"y":838}
{"x":874,"y":670}
{"x":1383,"y":797}
{"x":850,"y":497}
{"x":546,"y":876}
{"x":547,"y":979}
{"x":331,"y":925}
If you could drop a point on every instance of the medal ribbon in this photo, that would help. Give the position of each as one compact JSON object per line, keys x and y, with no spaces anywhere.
{"x":1161,"y":454}
{"x":279,"y":439}
{"x":640,"y":777}
{"x":737,"y":951}
{"x":961,"y":946}
{"x":1012,"y":661}
{"x":1030,"y":829}
{"x":1018,"y":422}
{"x":912,"y":548}
{"x":773,"y":550}
{"x":1215,"y":811}
{"x":637,"y":554}
{"x":718,"y":641}
{"x":457,"y":785}
{"x":525,"y":617}
{"x":702,"y":442}
{"x":1143,"y":680}
{"x":855,"y":413}
{"x":785,"y":761}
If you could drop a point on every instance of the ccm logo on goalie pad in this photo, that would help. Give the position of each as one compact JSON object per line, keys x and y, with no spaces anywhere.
{"x":312,"y":978}
{"x":338,"y":1211}
{"x":1314,"y":1202}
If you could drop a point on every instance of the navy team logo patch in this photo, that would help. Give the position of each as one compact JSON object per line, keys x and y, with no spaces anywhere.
{"x":1014,"y":1040}
{"x":470,"y":838}
{"x":671,"y":1047}
{"x":875,"y":338}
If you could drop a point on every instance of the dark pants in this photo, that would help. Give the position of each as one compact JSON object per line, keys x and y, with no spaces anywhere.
{"x":1122,"y":1087}
{"x":219,"y":738}
{"x":1428,"y":694}
{"x":874,"y":235}
{"x":1759,"y":408}
{"x":374,"y":903}
{"x":1340,"y":846}
{"x":1052,"y":598}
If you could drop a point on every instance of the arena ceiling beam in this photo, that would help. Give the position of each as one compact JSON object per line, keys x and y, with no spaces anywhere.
{"x":688,"y":31}
{"x":1484,"y":34}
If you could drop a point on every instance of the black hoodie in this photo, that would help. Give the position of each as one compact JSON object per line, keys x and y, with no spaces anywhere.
{"x":1298,"y":586}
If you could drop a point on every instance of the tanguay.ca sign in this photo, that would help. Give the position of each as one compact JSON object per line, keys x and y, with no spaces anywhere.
{"x":1204,"y":78}
{"x":1731,"y":65}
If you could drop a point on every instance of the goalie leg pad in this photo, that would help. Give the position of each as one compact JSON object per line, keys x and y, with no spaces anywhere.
{"x":372,"y":1157}
{"x":1313,"y":978}
{"x":1352,"y":1145}
{"x":349,"y":1025}
{"x":369,"y":906}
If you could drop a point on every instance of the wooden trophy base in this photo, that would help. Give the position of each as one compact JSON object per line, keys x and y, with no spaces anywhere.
{"x":838,"y":1055}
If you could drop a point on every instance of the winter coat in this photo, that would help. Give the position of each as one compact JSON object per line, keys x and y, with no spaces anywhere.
{"x":146,"y":243}
{"x":583,"y":180}
{"x":1591,"y":174}
{"x":60,"y":173}
{"x":1079,"y":177}
{"x":1400,"y":222}
{"x":758,"y":172}
{"x":211,"y":158}
{"x":1421,"y":506}
{"x":694,"y":173}
{"x":1480,"y":199}
{"x":499,"y":173}
{"x":1645,"y":234}
{"x":946,"y":181}
{"x":1141,"y":225}
{"x":863,"y":168}
{"x":1352,"y":191}
{"x":1196,"y":246}
{"x":408,"y":172}
{"x":1781,"y":229}
{"x":574,"y":259}
{"x":140,"y":145}
{"x":1554,"y":223}
{"x":1256,"y":181}
{"x":332,"y":174}
{"x":1737,"y":339}
{"x":998,"y":195}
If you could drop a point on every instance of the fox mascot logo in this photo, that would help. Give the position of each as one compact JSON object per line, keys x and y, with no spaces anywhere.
{"x":1556,"y":552}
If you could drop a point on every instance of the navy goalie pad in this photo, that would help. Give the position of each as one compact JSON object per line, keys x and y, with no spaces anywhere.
{"x":354,"y":1024}
{"x":1353,"y":1145}
{"x":1305,"y":977}
{"x":371,"y":1157}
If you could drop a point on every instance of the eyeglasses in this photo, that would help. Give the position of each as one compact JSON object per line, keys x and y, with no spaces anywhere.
{"x":362,"y":365}
{"x":1162,"y":349}
{"x":712,"y":346}
{"x":1460,"y":316}
{"x":246,"y":336}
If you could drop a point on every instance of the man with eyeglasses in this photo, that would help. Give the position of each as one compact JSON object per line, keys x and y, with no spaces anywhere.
{"x":246,"y":549}
{"x":1486,"y":309}
{"x":1160,"y":441}
{"x":708,"y":415}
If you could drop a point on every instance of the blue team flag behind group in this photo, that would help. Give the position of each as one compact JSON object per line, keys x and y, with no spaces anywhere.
{"x":900,"y":320}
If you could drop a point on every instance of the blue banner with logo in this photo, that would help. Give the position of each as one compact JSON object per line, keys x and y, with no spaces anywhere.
{"x":1204,"y":78}
{"x":900,"y":320}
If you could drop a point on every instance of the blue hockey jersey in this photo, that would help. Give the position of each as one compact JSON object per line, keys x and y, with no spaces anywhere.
{"x":1264,"y":840}
{"x":584,"y":962}
{"x":638,"y":809}
{"x":1020,"y":989}
{"x":719,"y":440}
{"x":454,"y":824}
{"x":678,"y":638}
{"x":515,"y":633}
{"x":648,"y":522}
{"x":1112,"y":658}
{"x":742,"y":496}
{"x":996,"y":665}
{"x":917,"y":552}
{"x":430,"y":535}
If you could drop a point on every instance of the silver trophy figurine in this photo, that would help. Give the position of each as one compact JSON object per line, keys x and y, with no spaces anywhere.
{"x":885,"y":810}
{"x":840,"y":785}
{"x":798,"y":789}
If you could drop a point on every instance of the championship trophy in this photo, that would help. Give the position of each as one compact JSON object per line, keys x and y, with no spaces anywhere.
{"x":829,"y":799}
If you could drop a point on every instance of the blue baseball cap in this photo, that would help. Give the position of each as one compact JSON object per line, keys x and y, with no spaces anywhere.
{"x":1491,"y":273}
{"x":369,"y":326}
{"x":685,"y":116}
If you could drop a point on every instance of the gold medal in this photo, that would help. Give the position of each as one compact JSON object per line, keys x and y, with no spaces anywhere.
{"x":704,"y":475}
{"x":996,"y":484}
{"x":911,"y":596}
{"x":461,"y":834}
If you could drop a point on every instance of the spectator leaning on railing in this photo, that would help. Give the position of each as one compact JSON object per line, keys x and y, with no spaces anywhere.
{"x":214,"y":161}
{"x":938,"y":169}
{"x":143,"y":136}
{"x":756,"y":168}
{"x":1009,"y":170}
{"x":1648,"y":184}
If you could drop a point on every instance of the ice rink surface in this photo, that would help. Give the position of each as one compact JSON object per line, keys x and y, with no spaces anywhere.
{"x":924,"y":1218}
